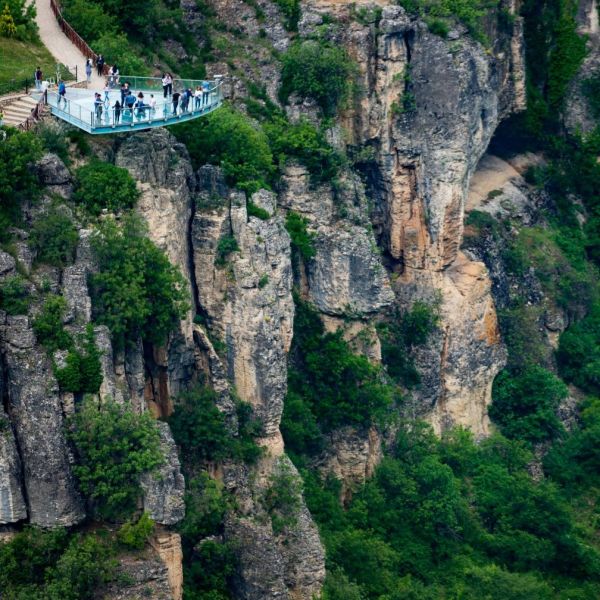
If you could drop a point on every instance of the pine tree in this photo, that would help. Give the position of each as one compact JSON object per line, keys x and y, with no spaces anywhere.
{"x":7,"y":23}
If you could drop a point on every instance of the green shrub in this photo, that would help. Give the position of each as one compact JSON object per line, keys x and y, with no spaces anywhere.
{"x":26,"y":557}
{"x":48,"y":324}
{"x":114,"y":447}
{"x":116,"y":49}
{"x":438,"y":27}
{"x":227,"y":138}
{"x":136,"y":291}
{"x":337,"y":386}
{"x":303,"y":241}
{"x":14,"y":295}
{"x":257,"y":211}
{"x":54,"y":141}
{"x":283,"y":498}
{"x":525,"y":405}
{"x":263,"y":281}
{"x":202,"y":433}
{"x":135,"y":535}
{"x":89,"y":20}
{"x":100,"y":186}
{"x":578,"y":353}
{"x":401,"y":336}
{"x":304,"y":142}
{"x":291,"y":12}
{"x":317,"y":70}
{"x":18,"y":180}
{"x":54,"y":238}
{"x":226,"y":246}
{"x":83,"y":370}
{"x":575,"y":461}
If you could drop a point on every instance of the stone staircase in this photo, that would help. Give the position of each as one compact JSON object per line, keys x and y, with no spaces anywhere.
{"x":18,"y":110}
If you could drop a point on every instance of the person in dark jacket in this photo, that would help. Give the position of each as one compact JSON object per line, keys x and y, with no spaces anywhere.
{"x":100,"y":64}
{"x":176,"y":96}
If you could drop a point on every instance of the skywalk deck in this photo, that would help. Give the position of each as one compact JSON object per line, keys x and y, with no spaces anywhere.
{"x":79,"y":109}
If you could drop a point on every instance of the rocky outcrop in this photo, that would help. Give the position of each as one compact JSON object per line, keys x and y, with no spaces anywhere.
{"x":12,"y":503}
{"x":246,"y":296}
{"x":164,"y":488}
{"x":34,"y":408}
{"x":139,"y":576}
{"x":168,"y":547}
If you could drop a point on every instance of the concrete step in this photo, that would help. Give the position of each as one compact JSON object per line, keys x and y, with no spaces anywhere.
{"x":17,"y":111}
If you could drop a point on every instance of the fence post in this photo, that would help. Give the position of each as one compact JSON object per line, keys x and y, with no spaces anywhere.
{"x":26,"y":85}
{"x":76,"y":75}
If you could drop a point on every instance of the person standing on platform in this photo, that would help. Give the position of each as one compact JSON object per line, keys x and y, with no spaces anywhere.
{"x":100,"y":64}
{"x":38,"y":79}
{"x":88,"y":70}
{"x":176,"y":96}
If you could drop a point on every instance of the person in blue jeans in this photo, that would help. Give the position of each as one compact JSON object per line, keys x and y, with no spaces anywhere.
{"x":62,"y":90}
{"x":205,"y":92}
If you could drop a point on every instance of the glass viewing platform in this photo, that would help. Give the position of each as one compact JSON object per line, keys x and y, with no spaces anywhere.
{"x":151,"y":109}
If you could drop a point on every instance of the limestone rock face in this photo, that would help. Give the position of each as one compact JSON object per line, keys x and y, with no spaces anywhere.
{"x":346,"y":276}
{"x":12,"y":503}
{"x":35,"y":411}
{"x":164,"y":489}
{"x":247,"y":298}
{"x":146,"y":577}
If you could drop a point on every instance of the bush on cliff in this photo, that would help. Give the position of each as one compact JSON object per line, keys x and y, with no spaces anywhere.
{"x":525,"y":404}
{"x":227,"y":138}
{"x":315,"y":69}
{"x":54,"y":238}
{"x":136,"y":292}
{"x":114,"y":447}
{"x":100,"y":186}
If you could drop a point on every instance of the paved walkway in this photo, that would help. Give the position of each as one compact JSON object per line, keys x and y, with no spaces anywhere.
{"x":59,"y":44}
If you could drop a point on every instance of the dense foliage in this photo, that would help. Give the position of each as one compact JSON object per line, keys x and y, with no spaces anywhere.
{"x":18,"y":180}
{"x":303,"y":241}
{"x":17,"y":19}
{"x":54,"y":238}
{"x":100,"y":186}
{"x":328,"y":385}
{"x":449,"y":518}
{"x":228,"y":139}
{"x":317,"y":70}
{"x":203,"y":434}
{"x":136,"y":292}
{"x":114,"y":447}
{"x":53,"y":565}
{"x":14,"y":295}
{"x":401,"y":335}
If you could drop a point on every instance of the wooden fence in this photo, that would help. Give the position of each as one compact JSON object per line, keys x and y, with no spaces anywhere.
{"x":73,"y":35}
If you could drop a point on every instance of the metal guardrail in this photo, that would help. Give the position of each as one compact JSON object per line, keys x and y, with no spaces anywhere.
{"x":36,"y":114}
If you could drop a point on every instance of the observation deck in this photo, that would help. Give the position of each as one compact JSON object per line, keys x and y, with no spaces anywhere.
{"x":78,"y":106}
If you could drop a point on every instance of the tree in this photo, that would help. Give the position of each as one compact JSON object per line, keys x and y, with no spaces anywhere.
{"x":227,"y":138}
{"x":114,"y":447}
{"x":54,"y":238}
{"x":315,"y":69}
{"x":136,"y":292}
{"x":100,"y":185}
{"x":525,"y":404}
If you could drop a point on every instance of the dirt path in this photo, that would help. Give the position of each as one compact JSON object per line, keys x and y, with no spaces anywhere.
{"x":59,"y":44}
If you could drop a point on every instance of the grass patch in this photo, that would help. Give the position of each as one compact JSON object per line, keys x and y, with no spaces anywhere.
{"x":18,"y":61}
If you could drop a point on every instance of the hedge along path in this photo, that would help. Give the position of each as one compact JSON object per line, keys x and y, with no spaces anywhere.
{"x":60,"y":46}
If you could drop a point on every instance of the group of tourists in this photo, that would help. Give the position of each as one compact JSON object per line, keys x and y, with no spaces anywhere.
{"x":187,"y":99}
{"x":113,"y":73}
